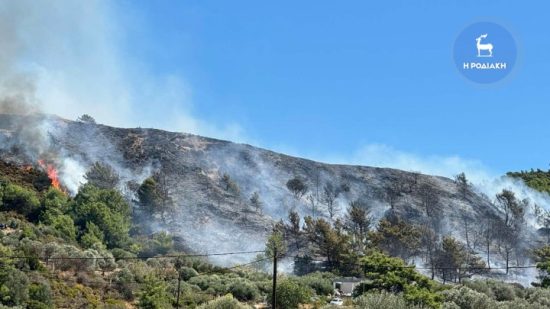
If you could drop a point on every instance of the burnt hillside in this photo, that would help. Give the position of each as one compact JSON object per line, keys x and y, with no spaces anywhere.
{"x":212,"y":215}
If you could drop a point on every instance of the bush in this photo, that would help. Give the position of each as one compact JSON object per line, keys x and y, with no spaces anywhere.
{"x":290,"y":293}
{"x":224,"y":302}
{"x":382,"y":300}
{"x":211,"y":283}
{"x":124,"y":283}
{"x":321,"y":283}
{"x":63,"y":224}
{"x":122,"y":254}
{"x":243,"y":290}
{"x":154,"y":294}
{"x":466,"y":298}
{"x":539,"y":297}
{"x":55,"y":200}
{"x":41,"y":294}
{"x":187,"y":273}
{"x":20,"y":199}
{"x":160,"y":243}
{"x":14,"y":286}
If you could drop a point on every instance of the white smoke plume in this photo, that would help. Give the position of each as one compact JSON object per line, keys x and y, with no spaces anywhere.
{"x":485,"y":180}
{"x":68,"y":58}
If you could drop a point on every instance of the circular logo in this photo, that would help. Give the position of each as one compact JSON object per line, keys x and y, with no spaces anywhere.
{"x":485,"y":52}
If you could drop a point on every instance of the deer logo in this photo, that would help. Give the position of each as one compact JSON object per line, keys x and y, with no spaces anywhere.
{"x":481,"y":47}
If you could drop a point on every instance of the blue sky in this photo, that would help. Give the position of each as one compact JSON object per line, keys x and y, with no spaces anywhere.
{"x":334,"y":81}
{"x":327,"y":78}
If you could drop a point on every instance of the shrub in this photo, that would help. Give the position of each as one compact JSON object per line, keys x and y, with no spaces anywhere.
{"x":55,"y":200}
{"x":41,"y":294}
{"x":63,"y":224}
{"x":466,"y":298}
{"x":124,"y":283}
{"x":224,"y":302}
{"x":539,"y":297}
{"x":154,"y":294}
{"x":160,"y":243}
{"x":243,"y":290}
{"x":13,"y":286}
{"x":187,"y":273}
{"x":122,"y":254}
{"x":290,"y":293}
{"x":321,"y":283}
{"x":20,"y":199}
{"x":382,"y":300}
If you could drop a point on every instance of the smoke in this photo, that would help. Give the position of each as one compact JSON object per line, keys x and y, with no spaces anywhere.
{"x":485,"y":180}
{"x":71,"y":58}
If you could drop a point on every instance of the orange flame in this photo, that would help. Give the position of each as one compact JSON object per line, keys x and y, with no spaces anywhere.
{"x":52,"y":174}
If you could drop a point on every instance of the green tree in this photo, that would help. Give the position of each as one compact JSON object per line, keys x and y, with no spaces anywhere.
{"x":463,"y":185}
{"x":510,"y":206}
{"x":243,"y":290}
{"x":357,"y":223}
{"x":455,"y":261}
{"x":154,"y":294}
{"x":149,"y":196}
{"x":275,"y":243}
{"x":64,"y":224}
{"x":291,"y":293}
{"x":85,"y":118}
{"x":536,"y":179}
{"x":397,"y":237}
{"x":55,"y":205}
{"x":385,"y":273}
{"x":328,"y":242}
{"x":107,"y":209}
{"x":14,"y":286}
{"x":92,"y":236}
{"x":154,"y":195}
{"x":55,"y":200}
{"x":40,"y":295}
{"x":297,"y":187}
{"x":542,"y":256}
{"x":20,"y":199}
{"x":102,"y":176}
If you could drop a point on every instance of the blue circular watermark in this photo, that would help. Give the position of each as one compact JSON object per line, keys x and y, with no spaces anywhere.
{"x":485,"y":52}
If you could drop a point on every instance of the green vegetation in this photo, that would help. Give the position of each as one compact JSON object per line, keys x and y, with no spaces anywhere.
{"x":90,"y":251}
{"x":536,"y":179}
{"x":290,"y":293}
{"x":58,"y":251}
{"x":385,"y":273}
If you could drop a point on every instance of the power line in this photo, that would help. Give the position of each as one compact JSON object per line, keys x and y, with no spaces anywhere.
{"x":129,"y":257}
{"x":390,"y":267}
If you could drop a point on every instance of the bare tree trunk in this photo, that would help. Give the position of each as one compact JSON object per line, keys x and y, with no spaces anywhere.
{"x":488,"y":252}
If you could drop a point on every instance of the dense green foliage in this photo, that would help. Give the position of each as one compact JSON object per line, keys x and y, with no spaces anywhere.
{"x":536,"y":179}
{"x":290,"y":293}
{"x":385,"y":273}
{"x":102,"y":211}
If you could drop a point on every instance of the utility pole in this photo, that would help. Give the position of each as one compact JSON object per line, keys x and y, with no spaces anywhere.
{"x":273,"y":292}
{"x":179,"y":283}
